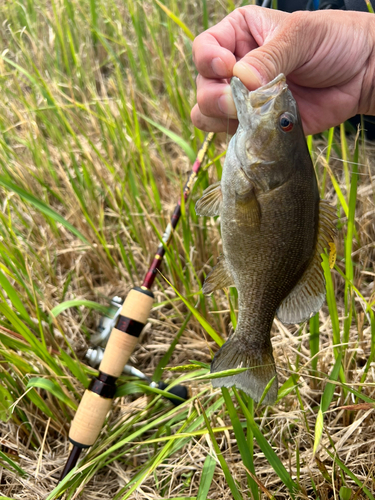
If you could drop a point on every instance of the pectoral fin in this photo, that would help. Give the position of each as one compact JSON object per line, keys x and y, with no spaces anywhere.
{"x":308,"y":296}
{"x":219,"y":277}
{"x":247,"y":205}
{"x":210,"y":203}
{"x":247,"y":208}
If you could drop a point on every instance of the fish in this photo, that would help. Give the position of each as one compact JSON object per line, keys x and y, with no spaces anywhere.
{"x":274,"y":228}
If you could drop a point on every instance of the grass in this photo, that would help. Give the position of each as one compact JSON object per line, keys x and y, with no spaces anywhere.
{"x":95,"y":145}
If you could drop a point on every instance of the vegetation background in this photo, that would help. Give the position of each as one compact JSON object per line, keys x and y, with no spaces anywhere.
{"x":95,"y":145}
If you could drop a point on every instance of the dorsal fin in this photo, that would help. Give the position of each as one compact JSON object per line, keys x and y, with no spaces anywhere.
{"x":307,"y":297}
{"x":210,"y":202}
{"x":219,"y":277}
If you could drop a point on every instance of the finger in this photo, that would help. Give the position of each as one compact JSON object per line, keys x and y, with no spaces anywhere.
{"x":215,"y":50}
{"x":210,"y":58}
{"x":288,"y":48}
{"x":214,"y":98}
{"x":209,"y":124}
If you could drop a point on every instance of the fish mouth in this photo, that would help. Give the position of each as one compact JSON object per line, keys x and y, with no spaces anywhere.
{"x":258,"y":101}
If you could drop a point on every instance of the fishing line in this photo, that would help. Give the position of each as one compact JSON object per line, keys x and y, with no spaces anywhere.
{"x":351,"y":163}
{"x":227,"y":137}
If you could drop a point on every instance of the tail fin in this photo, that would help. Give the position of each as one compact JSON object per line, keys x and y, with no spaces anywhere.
{"x":234,"y":354}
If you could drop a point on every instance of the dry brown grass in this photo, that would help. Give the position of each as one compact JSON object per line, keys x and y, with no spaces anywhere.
{"x":100,"y":178}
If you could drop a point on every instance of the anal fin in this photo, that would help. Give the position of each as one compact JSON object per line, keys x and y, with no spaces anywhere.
{"x":219,"y":277}
{"x":308,"y":296}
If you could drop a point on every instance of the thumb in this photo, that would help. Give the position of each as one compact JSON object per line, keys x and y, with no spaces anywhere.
{"x":283,"y":53}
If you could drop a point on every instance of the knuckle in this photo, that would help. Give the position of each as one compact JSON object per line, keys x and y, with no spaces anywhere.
{"x":270,"y":63}
{"x":197,"y":47}
{"x":297,"y":26}
{"x":202,"y":100}
{"x":197,"y":118}
{"x":301,"y":35}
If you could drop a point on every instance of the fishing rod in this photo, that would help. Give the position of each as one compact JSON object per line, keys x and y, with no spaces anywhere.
{"x":135,"y":310}
{"x":95,"y":355}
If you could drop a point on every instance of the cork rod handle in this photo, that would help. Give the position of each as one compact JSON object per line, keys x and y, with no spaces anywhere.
{"x":97,"y":399}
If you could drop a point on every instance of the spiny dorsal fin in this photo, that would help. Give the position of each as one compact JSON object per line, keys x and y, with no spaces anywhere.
{"x":219,"y":277}
{"x":307,"y":297}
{"x":210,"y":203}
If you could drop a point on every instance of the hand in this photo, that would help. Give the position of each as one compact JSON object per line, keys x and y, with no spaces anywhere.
{"x":328,"y":58}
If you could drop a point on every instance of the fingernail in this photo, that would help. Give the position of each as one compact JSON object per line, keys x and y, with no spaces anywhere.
{"x":218,"y":67}
{"x":226,"y":105}
{"x":248,"y":75}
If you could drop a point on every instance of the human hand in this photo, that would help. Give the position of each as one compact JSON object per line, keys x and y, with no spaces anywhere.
{"x":328,"y":58}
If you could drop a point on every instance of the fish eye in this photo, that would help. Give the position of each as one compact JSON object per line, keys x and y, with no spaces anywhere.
{"x":286,"y":122}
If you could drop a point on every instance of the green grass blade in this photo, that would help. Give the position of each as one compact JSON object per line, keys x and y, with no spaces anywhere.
{"x":228,"y":476}
{"x":266,"y":389}
{"x":11,"y":463}
{"x":13,"y":296}
{"x":330,"y":388}
{"x":42,"y":207}
{"x":344,"y":155}
{"x":167,"y":356}
{"x":76,"y":303}
{"x":339,"y":193}
{"x":94,"y":23}
{"x":328,"y":156}
{"x":326,"y":401}
{"x":223,"y":373}
{"x":266,"y":448}
{"x":350,"y":474}
{"x":331,"y":301}
{"x":349,"y":272}
{"x":38,"y":401}
{"x":188,"y":150}
{"x":175,"y":19}
{"x":288,"y":386}
{"x":204,"y":324}
{"x":205,"y":15}
{"x":20,"y":327}
{"x":207,"y":476}
{"x":314,"y":343}
{"x":245,"y":452}
{"x":53,"y":388}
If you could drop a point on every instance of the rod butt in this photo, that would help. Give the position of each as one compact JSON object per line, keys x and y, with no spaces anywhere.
{"x":71,"y":462}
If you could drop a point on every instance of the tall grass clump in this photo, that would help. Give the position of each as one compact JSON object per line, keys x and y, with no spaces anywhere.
{"x":96,"y":143}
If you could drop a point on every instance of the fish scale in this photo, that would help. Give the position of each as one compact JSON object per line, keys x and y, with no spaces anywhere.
{"x":274,"y":228}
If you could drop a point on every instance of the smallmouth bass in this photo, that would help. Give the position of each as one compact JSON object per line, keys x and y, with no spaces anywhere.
{"x":274,"y":228}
